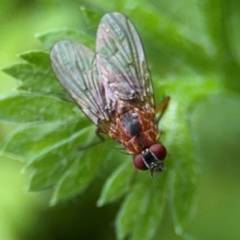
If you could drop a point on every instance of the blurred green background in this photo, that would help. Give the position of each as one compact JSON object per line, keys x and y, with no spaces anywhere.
{"x":214,"y":122}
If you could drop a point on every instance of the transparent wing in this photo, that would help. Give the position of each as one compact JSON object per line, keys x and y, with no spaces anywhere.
{"x":74,"y":65}
{"x":121,"y":61}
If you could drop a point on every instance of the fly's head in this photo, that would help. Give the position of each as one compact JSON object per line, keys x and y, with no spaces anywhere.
{"x":151,"y":158}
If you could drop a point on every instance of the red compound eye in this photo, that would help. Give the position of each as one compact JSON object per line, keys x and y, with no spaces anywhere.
{"x":139,"y":163}
{"x":159,"y":151}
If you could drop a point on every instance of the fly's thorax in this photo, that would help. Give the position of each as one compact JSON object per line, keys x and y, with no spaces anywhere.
{"x":134,"y":128}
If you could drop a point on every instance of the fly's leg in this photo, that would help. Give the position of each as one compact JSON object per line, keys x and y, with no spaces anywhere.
{"x":93,"y":144}
{"x":161,"y":108}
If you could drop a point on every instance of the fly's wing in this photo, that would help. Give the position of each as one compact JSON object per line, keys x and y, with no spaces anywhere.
{"x":74,"y":66}
{"x":121,"y":61}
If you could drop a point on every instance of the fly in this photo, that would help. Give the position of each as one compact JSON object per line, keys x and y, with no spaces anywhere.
{"x":113,"y":88}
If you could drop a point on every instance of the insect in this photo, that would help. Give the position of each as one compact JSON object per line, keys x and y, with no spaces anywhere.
{"x":113,"y":88}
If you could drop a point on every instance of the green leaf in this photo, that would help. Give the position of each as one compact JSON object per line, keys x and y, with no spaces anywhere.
{"x":28,"y":107}
{"x":50,"y":38}
{"x":222,"y":30}
{"x":47,"y":171}
{"x":142,"y":209}
{"x":32,"y":139}
{"x":78,"y":175}
{"x":182,"y":163}
{"x":91,"y":19}
{"x":53,"y":167}
{"x":183,"y":182}
{"x":117,"y":184}
{"x":36,"y":74}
